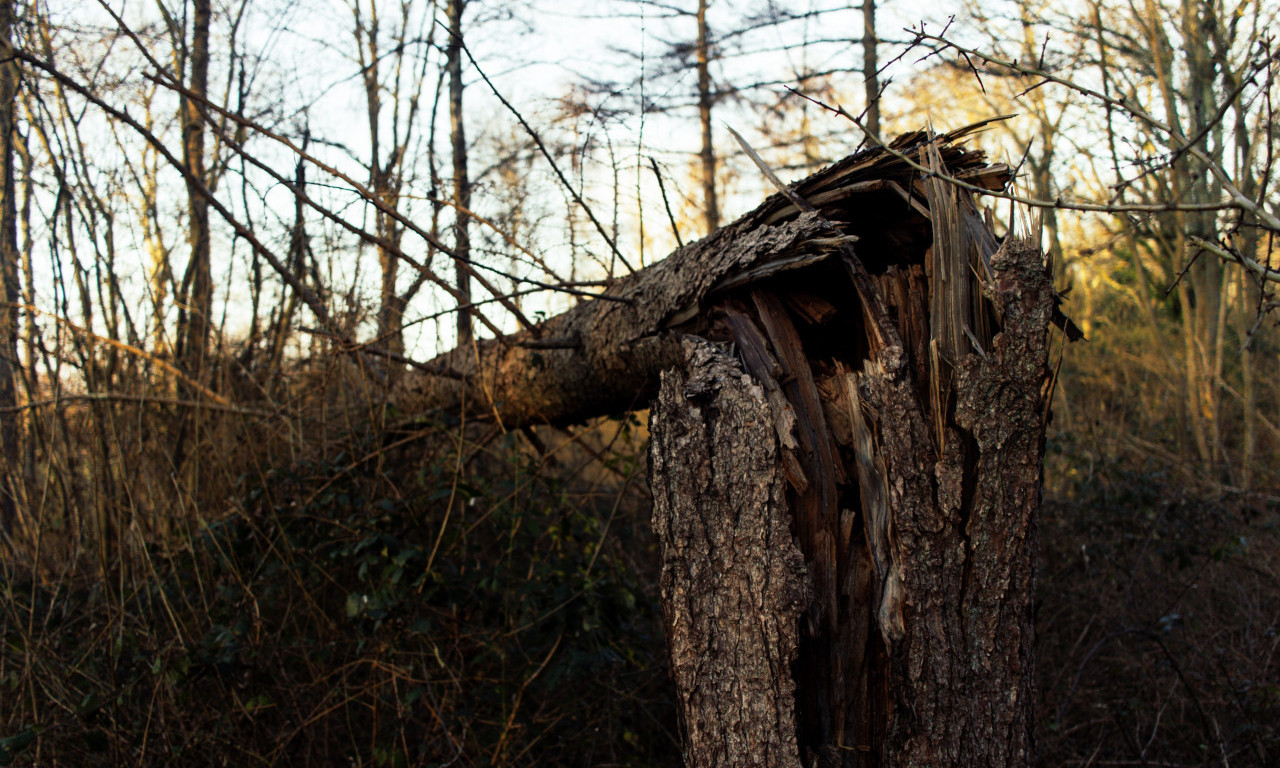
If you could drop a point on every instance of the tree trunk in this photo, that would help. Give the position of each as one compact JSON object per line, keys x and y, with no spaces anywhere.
{"x":871,"y":70}
{"x":916,"y":518}
{"x":914,"y":507}
{"x":732,"y":581}
{"x":710,"y":205}
{"x":384,"y":183}
{"x":197,"y":282}
{"x":461,"y":181}
{"x":9,"y":288}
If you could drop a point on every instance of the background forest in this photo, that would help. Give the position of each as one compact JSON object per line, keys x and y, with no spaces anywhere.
{"x":230,"y":231}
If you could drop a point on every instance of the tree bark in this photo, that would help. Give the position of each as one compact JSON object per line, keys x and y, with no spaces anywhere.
{"x":915,"y":511}
{"x":961,"y":537}
{"x":461,"y":180}
{"x":9,"y":288}
{"x":732,"y":581}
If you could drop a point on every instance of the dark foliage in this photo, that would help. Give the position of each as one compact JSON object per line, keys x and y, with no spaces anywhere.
{"x":432,"y":616}
{"x":1158,"y":621}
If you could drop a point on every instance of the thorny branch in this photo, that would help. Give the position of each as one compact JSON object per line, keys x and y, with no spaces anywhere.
{"x":1236,"y":199}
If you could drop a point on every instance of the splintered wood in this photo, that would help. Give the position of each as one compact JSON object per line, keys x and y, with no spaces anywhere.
{"x":846,"y":459}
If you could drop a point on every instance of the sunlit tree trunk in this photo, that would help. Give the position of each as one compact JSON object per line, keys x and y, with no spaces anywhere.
{"x":161,"y":268}
{"x":1207,"y":274}
{"x":1184,"y":183}
{"x":1250,"y":332}
{"x":393,"y":68}
{"x":10,"y":367}
{"x":196,"y":293}
{"x":461,"y":180}
{"x":870,"y":68}
{"x":710,"y":205}
{"x":30,"y":330}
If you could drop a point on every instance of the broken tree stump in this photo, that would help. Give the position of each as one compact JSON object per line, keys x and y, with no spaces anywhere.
{"x":917,"y":528}
{"x":846,"y":460}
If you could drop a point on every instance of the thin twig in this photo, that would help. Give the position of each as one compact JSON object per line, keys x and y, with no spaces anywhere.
{"x":543,"y":149}
{"x":665,"y":202}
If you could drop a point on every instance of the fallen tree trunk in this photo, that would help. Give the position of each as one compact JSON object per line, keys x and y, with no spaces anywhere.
{"x":864,"y":384}
{"x":605,"y":355}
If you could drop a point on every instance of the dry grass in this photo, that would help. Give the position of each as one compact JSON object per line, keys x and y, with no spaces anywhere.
{"x":290,"y":581}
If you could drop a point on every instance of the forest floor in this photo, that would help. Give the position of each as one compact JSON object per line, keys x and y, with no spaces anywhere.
{"x":498,"y":607}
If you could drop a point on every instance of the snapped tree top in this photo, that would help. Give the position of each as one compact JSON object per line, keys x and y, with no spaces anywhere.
{"x":605,"y":355}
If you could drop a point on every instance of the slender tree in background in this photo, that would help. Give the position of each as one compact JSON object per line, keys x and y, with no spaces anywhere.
{"x":683,"y":54}
{"x":394,"y":73}
{"x":151,"y":221}
{"x":710,"y":206}
{"x":705,"y":66}
{"x":870,"y":69}
{"x":195,"y":298}
{"x":9,"y":288}
{"x":461,"y":179}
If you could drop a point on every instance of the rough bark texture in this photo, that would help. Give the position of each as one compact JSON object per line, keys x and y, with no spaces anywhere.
{"x":960,"y":543}
{"x":611,"y":352}
{"x":732,"y":580}
{"x":907,"y":402}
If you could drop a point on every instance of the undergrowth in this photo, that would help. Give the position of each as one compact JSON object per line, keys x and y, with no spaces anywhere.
{"x":320,"y":589}
{"x":449,"y":603}
{"x":1158,"y":616}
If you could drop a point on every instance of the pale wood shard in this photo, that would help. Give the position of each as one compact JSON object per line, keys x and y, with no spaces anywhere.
{"x":764,"y":368}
